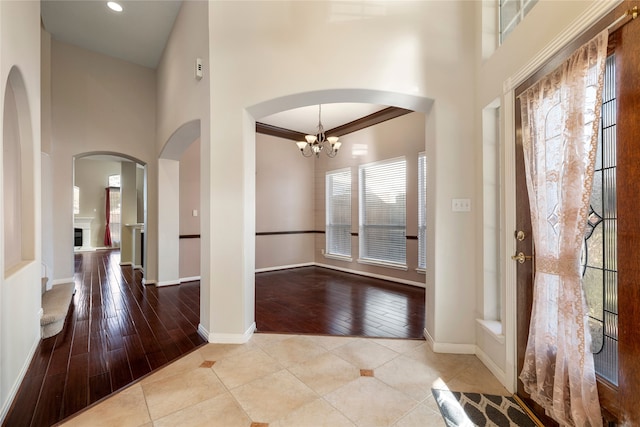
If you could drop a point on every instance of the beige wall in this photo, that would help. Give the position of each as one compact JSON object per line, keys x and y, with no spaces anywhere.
{"x":285,"y":197}
{"x":99,"y":104}
{"x":190,"y":201}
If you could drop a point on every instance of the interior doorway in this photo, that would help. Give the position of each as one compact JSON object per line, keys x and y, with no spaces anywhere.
{"x":109,"y":206}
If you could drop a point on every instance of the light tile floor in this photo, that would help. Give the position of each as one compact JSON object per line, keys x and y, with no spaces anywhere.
{"x":293,"y":380}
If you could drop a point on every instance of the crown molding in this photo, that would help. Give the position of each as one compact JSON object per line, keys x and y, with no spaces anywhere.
{"x":359,"y":124}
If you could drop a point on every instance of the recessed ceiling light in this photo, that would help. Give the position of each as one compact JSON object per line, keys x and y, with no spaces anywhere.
{"x":114,"y":6}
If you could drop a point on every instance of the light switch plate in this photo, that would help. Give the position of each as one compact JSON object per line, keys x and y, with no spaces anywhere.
{"x":461,"y":205}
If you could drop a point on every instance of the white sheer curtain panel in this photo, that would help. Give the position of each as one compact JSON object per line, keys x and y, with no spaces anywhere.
{"x":560,"y":119}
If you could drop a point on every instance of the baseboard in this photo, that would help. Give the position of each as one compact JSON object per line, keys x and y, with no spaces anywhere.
{"x":16,"y":385}
{"x":62,"y":281}
{"x":167,"y":283}
{"x":202,"y":331}
{"x":373,"y":275}
{"x":490,"y":364}
{"x":444,"y":347}
{"x":137,"y":267}
{"x":147,"y":282}
{"x":427,"y":336}
{"x":190,"y":279}
{"x":231,"y":338}
{"x":284,"y":267}
{"x":126,"y":264}
{"x":346,"y":270}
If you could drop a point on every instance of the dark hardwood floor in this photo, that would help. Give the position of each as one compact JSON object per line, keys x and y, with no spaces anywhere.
{"x":116,"y":331}
{"x":316,"y":300}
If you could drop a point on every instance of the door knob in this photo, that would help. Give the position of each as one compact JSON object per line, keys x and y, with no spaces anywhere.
{"x":521,"y":257}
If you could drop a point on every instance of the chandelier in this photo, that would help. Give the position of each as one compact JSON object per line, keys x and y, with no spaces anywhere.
{"x":314,"y":144}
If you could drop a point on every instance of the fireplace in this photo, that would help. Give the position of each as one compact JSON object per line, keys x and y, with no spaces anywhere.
{"x":84,"y":225}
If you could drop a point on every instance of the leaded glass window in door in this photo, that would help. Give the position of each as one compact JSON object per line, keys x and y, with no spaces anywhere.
{"x":599,"y":255}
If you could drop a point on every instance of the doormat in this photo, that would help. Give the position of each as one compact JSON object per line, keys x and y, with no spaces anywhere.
{"x":461,"y":409}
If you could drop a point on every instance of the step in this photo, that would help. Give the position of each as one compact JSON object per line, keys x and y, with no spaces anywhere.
{"x":55,"y":305}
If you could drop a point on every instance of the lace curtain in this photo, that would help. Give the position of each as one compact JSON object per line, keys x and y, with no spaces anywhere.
{"x":560,"y":119}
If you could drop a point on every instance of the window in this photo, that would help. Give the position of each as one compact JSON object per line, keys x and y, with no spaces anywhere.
{"x":511,"y":13}
{"x":422,"y":211}
{"x":599,"y":255}
{"x":114,"y":181}
{"x":383,"y":212}
{"x":338,"y":213}
{"x":76,"y":200}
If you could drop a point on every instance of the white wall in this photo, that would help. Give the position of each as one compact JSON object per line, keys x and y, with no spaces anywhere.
{"x":409,"y":52}
{"x":20,"y":290}
{"x":99,"y":104}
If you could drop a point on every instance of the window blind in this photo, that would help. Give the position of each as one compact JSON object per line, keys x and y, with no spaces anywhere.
{"x":383,"y":211}
{"x":338,"y":212}
{"x":422,"y":210}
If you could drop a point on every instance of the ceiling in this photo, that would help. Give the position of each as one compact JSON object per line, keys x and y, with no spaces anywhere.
{"x":139,"y":35}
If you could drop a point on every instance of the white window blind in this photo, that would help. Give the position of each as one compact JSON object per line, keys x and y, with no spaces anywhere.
{"x":422,"y":210}
{"x":338,"y":212}
{"x":383,"y":211}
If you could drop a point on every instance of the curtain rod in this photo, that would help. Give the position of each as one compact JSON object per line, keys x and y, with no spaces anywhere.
{"x":633,"y":13}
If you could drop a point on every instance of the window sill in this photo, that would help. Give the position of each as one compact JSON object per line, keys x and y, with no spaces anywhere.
{"x":383,"y":264}
{"x":421,"y":270}
{"x":494,"y":327}
{"x":338,"y":257}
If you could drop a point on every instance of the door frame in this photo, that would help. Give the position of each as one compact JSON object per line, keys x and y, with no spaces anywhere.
{"x":591,"y":17}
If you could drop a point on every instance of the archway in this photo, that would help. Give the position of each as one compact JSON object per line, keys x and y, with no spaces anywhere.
{"x":120,"y":179}
{"x":19,"y":290}
{"x":228,"y":285}
{"x":172,"y":243}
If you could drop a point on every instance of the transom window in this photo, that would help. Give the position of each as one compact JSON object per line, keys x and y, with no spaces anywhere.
{"x":512,"y":12}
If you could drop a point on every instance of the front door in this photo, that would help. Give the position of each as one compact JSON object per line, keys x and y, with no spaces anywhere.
{"x":612,"y":267}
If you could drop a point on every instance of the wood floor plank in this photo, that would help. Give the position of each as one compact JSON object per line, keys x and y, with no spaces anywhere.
{"x":78,"y":382}
{"x":319,"y":300}
{"x":99,"y":387}
{"x":50,"y":407}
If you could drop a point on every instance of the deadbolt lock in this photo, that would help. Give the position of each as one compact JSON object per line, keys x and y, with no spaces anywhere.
{"x":520,"y":235}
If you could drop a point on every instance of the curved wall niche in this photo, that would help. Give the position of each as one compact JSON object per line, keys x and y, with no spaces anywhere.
{"x":18,"y":182}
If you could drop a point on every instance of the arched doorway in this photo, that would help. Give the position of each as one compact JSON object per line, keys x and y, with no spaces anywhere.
{"x":110,"y":205}
{"x":228,"y":284}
